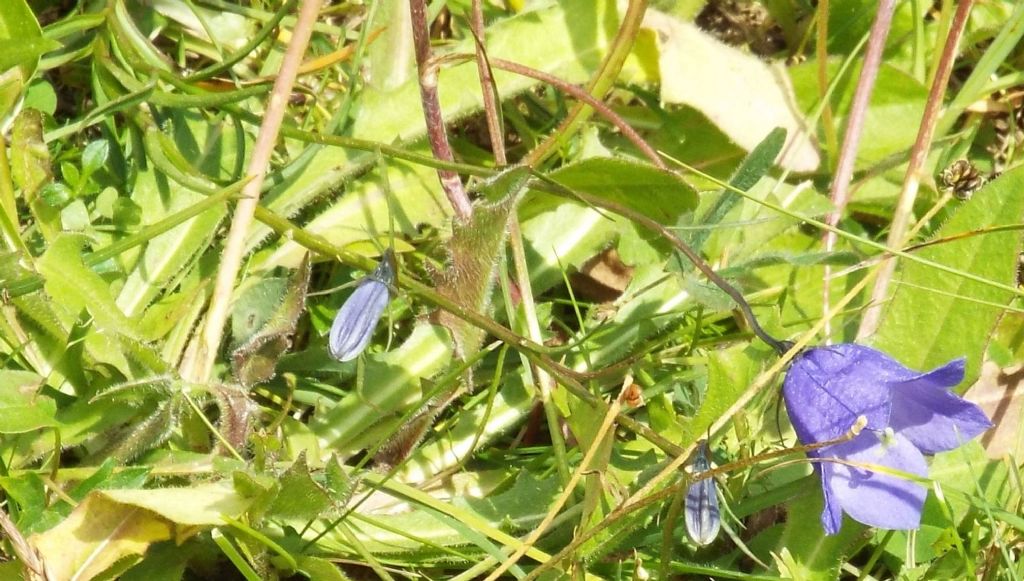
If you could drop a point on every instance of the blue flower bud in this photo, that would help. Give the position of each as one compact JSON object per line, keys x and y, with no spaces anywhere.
{"x":357,"y":319}
{"x":702,"y":517}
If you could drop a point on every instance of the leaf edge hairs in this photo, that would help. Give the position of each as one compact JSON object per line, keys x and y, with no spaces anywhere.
{"x":357,"y":319}
{"x":703,"y":520}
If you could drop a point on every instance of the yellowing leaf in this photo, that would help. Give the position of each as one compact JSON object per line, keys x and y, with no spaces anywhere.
{"x":200,"y":505}
{"x":111,"y":525}
{"x":741,"y":94}
{"x":97,"y":534}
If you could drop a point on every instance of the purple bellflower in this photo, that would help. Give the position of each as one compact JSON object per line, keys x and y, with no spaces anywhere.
{"x":830,"y":389}
{"x":357,"y":319}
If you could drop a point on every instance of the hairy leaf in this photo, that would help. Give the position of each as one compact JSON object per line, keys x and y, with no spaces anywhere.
{"x":933,"y":316}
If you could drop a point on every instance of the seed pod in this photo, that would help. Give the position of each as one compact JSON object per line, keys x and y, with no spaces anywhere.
{"x":961,"y":179}
{"x":357,"y":319}
{"x":702,"y":518}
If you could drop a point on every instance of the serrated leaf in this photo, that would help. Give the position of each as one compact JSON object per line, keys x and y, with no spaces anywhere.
{"x":300,"y":497}
{"x":255,"y":360}
{"x":934,"y":317}
{"x":22,"y":408}
{"x":473,"y":253}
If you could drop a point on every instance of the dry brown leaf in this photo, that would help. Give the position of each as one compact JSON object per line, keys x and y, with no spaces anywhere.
{"x":999,"y":391}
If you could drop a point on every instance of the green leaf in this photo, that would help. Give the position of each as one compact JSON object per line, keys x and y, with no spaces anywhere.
{"x":658,"y":194}
{"x":754,"y":167}
{"x":741,"y":94}
{"x":255,"y":360}
{"x":892,"y":118}
{"x":300,"y":498}
{"x":22,"y":408}
{"x":74,"y":287}
{"x":730,"y":373}
{"x":168,"y":254}
{"x":21,"y":44}
{"x":389,"y":58}
{"x":809,"y":553}
{"x":56,"y":194}
{"x":15,"y":53}
{"x":320,"y":569}
{"x":392,"y":384}
{"x":94,"y":157}
{"x":934,"y":317}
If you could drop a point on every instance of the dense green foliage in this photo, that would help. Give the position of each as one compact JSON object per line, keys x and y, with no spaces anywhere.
{"x":544,"y":365}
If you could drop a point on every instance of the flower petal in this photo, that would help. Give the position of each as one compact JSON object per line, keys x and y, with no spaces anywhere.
{"x":832,"y":514}
{"x":875,"y":498}
{"x":934,"y":419}
{"x":356,"y":319}
{"x":828,"y":388}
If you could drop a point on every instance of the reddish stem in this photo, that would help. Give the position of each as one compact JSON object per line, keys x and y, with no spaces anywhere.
{"x":918,"y":156}
{"x":436,"y":134}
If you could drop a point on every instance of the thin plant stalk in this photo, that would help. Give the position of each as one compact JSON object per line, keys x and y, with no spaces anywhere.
{"x":487,"y":86}
{"x":821,"y":55}
{"x":437,"y":135}
{"x":534,"y":535}
{"x":627,"y":131}
{"x":198,"y":362}
{"x":854,"y":127}
{"x":912,"y":179}
{"x":601,"y":83}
